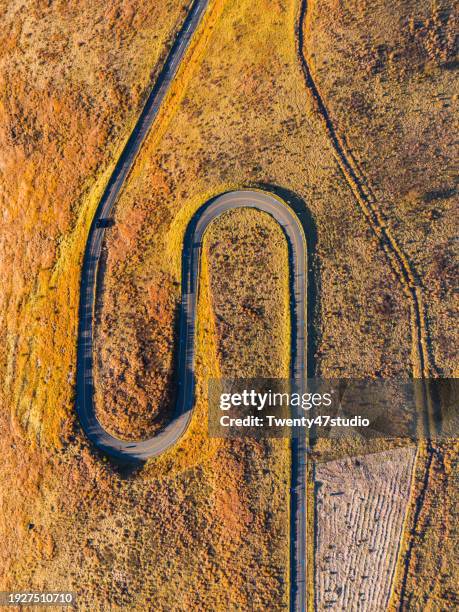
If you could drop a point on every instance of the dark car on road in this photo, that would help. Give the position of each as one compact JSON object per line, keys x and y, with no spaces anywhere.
{"x":104,"y":223}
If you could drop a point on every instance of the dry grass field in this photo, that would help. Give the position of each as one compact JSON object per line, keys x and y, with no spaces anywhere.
{"x":388,"y":74}
{"x":247,"y":250}
{"x":206,"y":525}
{"x":73,"y":78}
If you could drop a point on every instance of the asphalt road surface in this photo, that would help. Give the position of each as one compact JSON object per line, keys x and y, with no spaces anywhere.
{"x":84,"y":386}
{"x":191,"y":256}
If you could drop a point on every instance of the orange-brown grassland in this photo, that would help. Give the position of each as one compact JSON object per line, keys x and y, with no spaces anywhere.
{"x":347,"y":111}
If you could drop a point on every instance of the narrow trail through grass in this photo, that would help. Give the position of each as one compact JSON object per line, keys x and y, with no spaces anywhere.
{"x":422,"y":358}
{"x":368,"y":205}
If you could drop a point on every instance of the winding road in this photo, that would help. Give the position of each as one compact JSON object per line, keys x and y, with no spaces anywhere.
{"x":191,"y":257}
